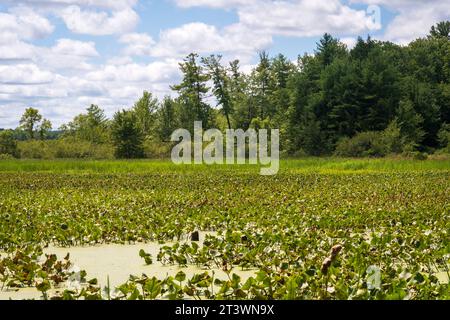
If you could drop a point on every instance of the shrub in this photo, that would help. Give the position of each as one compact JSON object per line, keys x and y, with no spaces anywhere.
{"x":126,"y":136}
{"x":8,"y":144}
{"x":5,"y":156}
{"x":79,"y":149}
{"x":155,"y":149}
{"x":415,"y":155}
{"x":444,"y":138}
{"x":392,"y":139}
{"x":65,"y":149}
{"x":364,"y":144}
{"x":35,"y":149}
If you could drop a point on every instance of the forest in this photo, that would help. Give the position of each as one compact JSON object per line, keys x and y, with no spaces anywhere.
{"x":376,"y":99}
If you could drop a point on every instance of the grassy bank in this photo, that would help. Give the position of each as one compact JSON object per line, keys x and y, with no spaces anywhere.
{"x":320,"y":165}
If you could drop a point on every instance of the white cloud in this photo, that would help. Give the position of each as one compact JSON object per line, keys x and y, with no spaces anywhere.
{"x":23,"y":23}
{"x":234,"y":41}
{"x":414,"y":18}
{"x":93,"y":17}
{"x":107,"y":4}
{"x":350,"y":42}
{"x":213,"y":3}
{"x":99,"y":23}
{"x":24,"y":74}
{"x":15,"y":49}
{"x":138,"y":44}
{"x":192,"y":37}
{"x":305,"y":18}
{"x":76,"y":48}
{"x":155,"y":72}
{"x":294,"y":17}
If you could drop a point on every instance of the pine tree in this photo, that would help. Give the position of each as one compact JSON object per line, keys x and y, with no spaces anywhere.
{"x":127,"y":136}
{"x":221,"y":89}
{"x":144,"y":110}
{"x":192,"y":91}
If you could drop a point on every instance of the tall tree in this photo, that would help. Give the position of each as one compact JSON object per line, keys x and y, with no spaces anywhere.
{"x":92,"y":126}
{"x":441,"y":30}
{"x":281,"y":70}
{"x":329,"y":49}
{"x":167,"y":117}
{"x":192,"y":93}
{"x":44,"y":129}
{"x":145,"y":109}
{"x":263,"y":84}
{"x":242,"y":97}
{"x":410,"y":124}
{"x":221,"y":89}
{"x":30,"y":120}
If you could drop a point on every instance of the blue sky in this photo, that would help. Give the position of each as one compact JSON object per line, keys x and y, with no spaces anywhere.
{"x":62,"y":55}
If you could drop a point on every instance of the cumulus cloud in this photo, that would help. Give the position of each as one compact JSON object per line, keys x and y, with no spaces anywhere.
{"x":93,"y":17}
{"x":24,"y":74}
{"x":159,"y":71}
{"x":15,"y":49}
{"x":350,"y":42}
{"x":138,"y":44}
{"x":107,"y":4}
{"x":233,"y":41}
{"x":413,"y":18}
{"x":77,"y":48}
{"x":213,"y":3}
{"x":23,"y":23}
{"x":99,"y":23}
{"x":295,"y":17}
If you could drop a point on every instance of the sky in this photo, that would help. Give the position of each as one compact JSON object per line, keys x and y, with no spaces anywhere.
{"x":60,"y":56}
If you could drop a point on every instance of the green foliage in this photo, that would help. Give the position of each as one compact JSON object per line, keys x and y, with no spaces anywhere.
{"x":144,"y":110}
{"x":29,"y":121}
{"x":192,"y":91}
{"x":365,"y":144}
{"x":286,"y":237}
{"x":127,"y":136}
{"x":377,"y":98}
{"x":444,"y":137}
{"x":91,"y":127}
{"x":167,"y":119}
{"x":441,"y":30}
{"x":8,"y":144}
{"x":66,"y":148}
{"x":410,"y":122}
{"x":221,"y":81}
{"x":157,"y":149}
{"x":44,"y":129}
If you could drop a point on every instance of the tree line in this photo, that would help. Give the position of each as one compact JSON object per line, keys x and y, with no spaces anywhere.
{"x":375,"y":99}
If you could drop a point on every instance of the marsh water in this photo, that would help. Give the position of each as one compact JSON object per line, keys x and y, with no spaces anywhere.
{"x":116,"y":263}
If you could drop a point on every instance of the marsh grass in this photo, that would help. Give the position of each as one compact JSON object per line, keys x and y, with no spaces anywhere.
{"x":305,"y":165}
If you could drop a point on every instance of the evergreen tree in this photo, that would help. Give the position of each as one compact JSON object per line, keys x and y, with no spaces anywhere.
{"x":221,"y":91}
{"x":92,"y":126}
{"x":410,"y":124}
{"x":167,"y":119}
{"x":127,"y":136}
{"x":192,"y":91}
{"x":144,"y":110}
{"x":263,"y":85}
